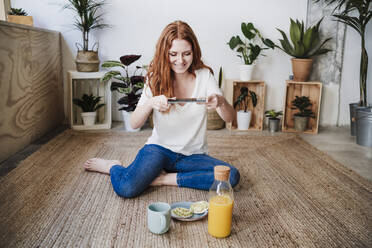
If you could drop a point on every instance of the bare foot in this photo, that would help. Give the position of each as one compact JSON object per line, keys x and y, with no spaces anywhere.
{"x":165,"y":179}
{"x":159,"y":180}
{"x":100,"y":165}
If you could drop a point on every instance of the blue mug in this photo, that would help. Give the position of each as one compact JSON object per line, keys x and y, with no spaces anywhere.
{"x":158,"y":217}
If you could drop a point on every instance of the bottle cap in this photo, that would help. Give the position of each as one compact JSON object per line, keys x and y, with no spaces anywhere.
{"x":221,"y":172}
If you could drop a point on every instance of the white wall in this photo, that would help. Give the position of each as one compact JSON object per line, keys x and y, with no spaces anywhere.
{"x":138,"y":24}
{"x":2,"y":11}
{"x":349,"y":92}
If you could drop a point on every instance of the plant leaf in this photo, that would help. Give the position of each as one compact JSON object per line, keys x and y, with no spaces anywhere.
{"x":246,"y":30}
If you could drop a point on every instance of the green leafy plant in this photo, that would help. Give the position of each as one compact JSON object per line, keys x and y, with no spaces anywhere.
{"x":130,"y":86}
{"x":305,"y":42}
{"x":87,"y":18}
{"x":88,"y":103}
{"x":356,"y":14}
{"x":272,"y":114}
{"x":249,"y":49}
{"x":302,"y":103}
{"x":244,"y":97}
{"x":18,"y":12}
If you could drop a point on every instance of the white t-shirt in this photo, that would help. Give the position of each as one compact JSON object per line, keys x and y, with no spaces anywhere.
{"x":183,"y":128}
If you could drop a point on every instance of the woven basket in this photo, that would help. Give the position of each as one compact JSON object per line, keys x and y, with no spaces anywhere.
{"x":214,"y":121}
{"x":87,"y":61}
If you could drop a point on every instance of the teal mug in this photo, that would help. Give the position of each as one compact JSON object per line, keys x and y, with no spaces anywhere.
{"x":158,"y":217}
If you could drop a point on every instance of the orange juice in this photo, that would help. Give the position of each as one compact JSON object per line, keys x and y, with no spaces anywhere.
{"x":220,"y":215}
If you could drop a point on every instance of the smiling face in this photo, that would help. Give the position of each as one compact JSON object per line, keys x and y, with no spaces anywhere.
{"x":180,"y":56}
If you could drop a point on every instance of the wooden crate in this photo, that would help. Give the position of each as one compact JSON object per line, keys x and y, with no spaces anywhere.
{"x":232,"y":91}
{"x":24,"y":20}
{"x":89,"y":83}
{"x":313,"y":90}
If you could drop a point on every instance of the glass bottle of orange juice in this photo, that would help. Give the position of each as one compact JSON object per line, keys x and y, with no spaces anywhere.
{"x":221,"y":201}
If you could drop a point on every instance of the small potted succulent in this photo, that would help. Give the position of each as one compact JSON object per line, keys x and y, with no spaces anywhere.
{"x":250,"y":48}
{"x":129,"y":86}
{"x":305,"y":45}
{"x":19,"y":16}
{"x":244,"y":116}
{"x":273,"y":119}
{"x":89,"y":105}
{"x":301,"y":118}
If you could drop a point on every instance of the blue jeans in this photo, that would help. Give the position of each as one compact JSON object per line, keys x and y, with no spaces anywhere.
{"x":194,"y":171}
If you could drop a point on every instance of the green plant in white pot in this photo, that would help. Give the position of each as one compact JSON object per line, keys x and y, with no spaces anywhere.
{"x":89,"y":104}
{"x":273,"y":119}
{"x":250,"y":48}
{"x":129,"y":87}
{"x":301,"y":118}
{"x":244,"y":116}
{"x":305,"y":45}
{"x":88,"y":19}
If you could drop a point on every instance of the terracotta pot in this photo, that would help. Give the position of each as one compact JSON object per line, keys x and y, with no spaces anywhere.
{"x":87,"y":61}
{"x":301,"y":69}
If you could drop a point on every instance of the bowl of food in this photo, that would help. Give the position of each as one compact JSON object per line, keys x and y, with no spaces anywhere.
{"x":189,"y":211}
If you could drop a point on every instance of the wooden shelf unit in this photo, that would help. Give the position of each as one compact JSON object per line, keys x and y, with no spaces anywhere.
{"x":232,"y":91}
{"x":313,"y":90}
{"x":89,"y":83}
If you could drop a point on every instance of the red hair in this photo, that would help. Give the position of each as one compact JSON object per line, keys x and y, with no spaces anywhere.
{"x":160,"y":74}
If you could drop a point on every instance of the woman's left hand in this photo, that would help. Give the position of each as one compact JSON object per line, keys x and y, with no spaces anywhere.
{"x":214,"y":101}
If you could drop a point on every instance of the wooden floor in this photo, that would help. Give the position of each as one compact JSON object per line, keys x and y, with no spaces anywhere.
{"x":290,"y":195}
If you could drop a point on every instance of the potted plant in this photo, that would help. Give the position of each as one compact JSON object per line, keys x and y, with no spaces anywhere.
{"x":19,"y":16}
{"x":301,"y":118}
{"x":357,"y":14}
{"x":249,"y":49}
{"x":244,"y":116}
{"x":273,"y":119}
{"x":89,"y":105}
{"x":88,"y":19}
{"x":130,"y":86}
{"x":214,"y":121}
{"x":305,"y":45}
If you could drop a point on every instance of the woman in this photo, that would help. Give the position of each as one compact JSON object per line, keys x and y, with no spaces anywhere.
{"x":175,"y":153}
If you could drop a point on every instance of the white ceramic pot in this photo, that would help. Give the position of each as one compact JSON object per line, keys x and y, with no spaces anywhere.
{"x":126,"y":119}
{"x":246,"y":72}
{"x":244,"y":119}
{"x":89,"y":118}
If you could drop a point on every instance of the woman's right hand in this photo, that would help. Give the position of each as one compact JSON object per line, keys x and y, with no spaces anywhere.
{"x":160,"y":103}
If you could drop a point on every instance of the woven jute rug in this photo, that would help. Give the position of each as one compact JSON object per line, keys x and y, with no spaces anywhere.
{"x":290,"y":195}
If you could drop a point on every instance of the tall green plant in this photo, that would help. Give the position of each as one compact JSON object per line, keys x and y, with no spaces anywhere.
{"x":305,"y":42}
{"x":130,"y":86}
{"x":348,"y":9}
{"x":249,"y":49}
{"x":87,"y":18}
{"x":220,"y":77}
